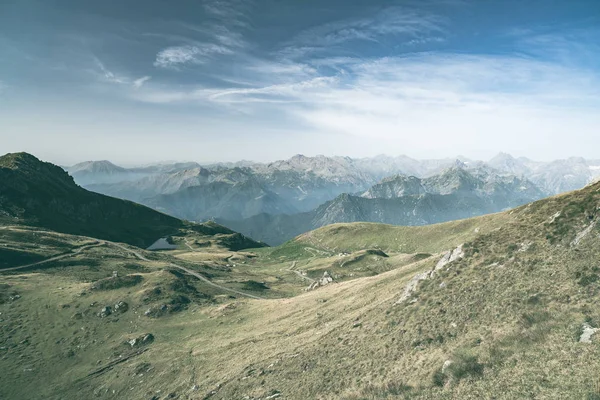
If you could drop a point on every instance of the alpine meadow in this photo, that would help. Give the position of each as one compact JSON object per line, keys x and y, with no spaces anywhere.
{"x":260,"y":200}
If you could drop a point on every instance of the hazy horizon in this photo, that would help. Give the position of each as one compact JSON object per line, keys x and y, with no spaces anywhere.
{"x":128,"y":164}
{"x":226,"y":80}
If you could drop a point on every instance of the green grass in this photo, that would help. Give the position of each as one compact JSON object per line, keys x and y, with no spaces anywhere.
{"x":398,"y":239}
{"x":507,"y":316}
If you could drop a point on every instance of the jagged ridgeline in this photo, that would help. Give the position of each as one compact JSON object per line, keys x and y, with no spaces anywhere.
{"x":41,"y":194}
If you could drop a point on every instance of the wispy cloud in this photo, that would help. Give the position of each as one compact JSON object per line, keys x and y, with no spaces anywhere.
{"x":138,"y":83}
{"x":233,"y":12}
{"x":177,"y":55}
{"x":220,"y":38}
{"x":579,"y":47}
{"x":392,"y":22}
{"x":106,"y":75}
{"x":440,"y":96}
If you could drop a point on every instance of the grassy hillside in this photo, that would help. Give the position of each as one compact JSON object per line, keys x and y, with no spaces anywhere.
{"x":502,"y":320}
{"x":406,"y":239}
{"x":36,"y":193}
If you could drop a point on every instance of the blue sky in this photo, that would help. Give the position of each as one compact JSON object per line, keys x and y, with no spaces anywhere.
{"x":211,"y":80}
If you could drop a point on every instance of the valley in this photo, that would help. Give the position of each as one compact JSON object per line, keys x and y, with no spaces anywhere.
{"x":490,"y":306}
{"x":299,"y":200}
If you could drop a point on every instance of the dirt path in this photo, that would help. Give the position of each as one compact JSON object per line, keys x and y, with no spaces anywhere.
{"x":139,"y":256}
{"x":188,"y":245}
{"x":190,"y":272}
{"x":74,"y":253}
{"x":303,"y":277}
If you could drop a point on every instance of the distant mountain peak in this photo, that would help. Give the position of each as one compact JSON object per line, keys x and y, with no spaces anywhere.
{"x":503,"y":156}
{"x":101,"y":166}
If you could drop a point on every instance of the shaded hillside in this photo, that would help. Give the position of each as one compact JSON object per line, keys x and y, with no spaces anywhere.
{"x":37,"y":193}
{"x":220,"y":199}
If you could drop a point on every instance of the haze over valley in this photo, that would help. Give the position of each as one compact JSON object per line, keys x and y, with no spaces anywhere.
{"x":274,"y":202}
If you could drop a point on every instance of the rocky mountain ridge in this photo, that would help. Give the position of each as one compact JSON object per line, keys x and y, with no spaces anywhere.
{"x":456,"y":193}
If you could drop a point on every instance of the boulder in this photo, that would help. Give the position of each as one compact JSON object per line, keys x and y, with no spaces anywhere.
{"x":105,"y":312}
{"x":121,"y":307}
{"x":140,"y":341}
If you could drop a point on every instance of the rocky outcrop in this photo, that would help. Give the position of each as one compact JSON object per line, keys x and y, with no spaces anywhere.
{"x":587,"y":333}
{"x":140,"y":341}
{"x":448,"y":258}
{"x":121,"y":307}
{"x":105,"y":312}
{"x":325,"y":280}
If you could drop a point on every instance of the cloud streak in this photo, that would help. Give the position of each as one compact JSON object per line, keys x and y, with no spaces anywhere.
{"x":138,"y":83}
{"x":410,"y":26}
{"x":220,"y":38}
{"x":172,"y":57}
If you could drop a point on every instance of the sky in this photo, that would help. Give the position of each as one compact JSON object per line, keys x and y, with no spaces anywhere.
{"x":223,"y":80}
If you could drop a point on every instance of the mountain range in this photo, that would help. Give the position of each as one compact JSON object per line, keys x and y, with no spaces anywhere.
{"x":456,"y":193}
{"x":275,"y":201}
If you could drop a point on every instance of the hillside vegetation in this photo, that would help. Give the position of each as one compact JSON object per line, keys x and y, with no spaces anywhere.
{"x":510,"y":313}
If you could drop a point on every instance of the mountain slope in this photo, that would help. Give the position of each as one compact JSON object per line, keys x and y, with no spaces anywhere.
{"x":220,"y":199}
{"x":504,"y":306}
{"x":37,"y":193}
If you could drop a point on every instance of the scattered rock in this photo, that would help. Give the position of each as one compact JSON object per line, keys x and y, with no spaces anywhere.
{"x":121,"y":307}
{"x":105,"y":312}
{"x":140,"y":341}
{"x":412,"y":286}
{"x":325,"y":280}
{"x":142,"y":368}
{"x":525,"y":247}
{"x":581,"y":235}
{"x":155,"y":312}
{"x":14,"y":297}
{"x":587,"y":333}
{"x":77,"y":315}
{"x":447,"y":364}
{"x":448,"y":258}
{"x":553,"y":218}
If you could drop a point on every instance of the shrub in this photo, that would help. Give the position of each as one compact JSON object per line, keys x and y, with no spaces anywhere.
{"x":465,"y":365}
{"x":255,"y":286}
{"x":117,"y":282}
{"x":438,"y":378}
